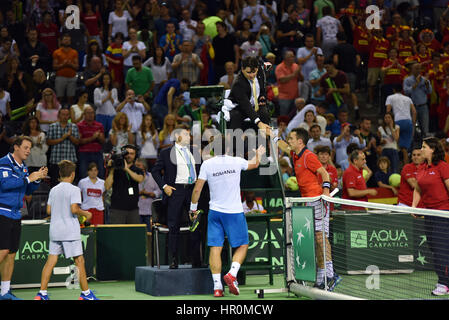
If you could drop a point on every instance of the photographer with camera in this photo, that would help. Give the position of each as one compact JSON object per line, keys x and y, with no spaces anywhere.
{"x":124,"y":178}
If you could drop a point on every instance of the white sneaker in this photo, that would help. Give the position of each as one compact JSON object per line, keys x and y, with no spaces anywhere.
{"x":440,"y":290}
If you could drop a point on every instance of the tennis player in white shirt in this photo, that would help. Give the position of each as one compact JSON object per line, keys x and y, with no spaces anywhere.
{"x":226,"y":217}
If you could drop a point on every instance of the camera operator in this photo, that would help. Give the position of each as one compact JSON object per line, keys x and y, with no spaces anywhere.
{"x":124,"y":178}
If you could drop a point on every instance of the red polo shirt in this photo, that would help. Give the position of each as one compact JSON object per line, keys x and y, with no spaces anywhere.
{"x":360,"y":40}
{"x":306,"y":168}
{"x":378,"y":52}
{"x":405,"y":194}
{"x":395,"y":74}
{"x":434,"y":194}
{"x":353,"y":178}
{"x":87,"y":131}
{"x":405,"y":48}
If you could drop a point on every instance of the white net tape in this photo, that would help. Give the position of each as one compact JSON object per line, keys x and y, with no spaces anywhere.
{"x":382,"y":252}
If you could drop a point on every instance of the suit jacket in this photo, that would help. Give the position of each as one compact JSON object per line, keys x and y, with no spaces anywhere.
{"x":241,"y":93}
{"x":169,"y":167}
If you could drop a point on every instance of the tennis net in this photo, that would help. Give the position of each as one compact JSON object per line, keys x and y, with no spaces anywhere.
{"x":379,"y":251}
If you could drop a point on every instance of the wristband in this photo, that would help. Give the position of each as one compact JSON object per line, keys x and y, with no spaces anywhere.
{"x":326,"y":184}
{"x":193,"y":206}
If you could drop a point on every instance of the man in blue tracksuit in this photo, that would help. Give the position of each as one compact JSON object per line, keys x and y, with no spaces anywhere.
{"x":15,"y":182}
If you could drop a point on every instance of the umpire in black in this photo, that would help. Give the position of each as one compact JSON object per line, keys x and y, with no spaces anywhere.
{"x":249,"y":94}
{"x":175,"y":172}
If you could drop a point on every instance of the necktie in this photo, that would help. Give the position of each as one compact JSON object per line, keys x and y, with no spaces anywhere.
{"x":190,"y":166}
{"x":256,"y":104}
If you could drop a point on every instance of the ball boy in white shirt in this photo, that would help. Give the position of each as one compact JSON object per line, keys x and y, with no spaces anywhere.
{"x":65,"y":235}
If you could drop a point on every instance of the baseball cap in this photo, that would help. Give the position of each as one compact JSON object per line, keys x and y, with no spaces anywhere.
{"x":270,"y":55}
{"x":164,"y":4}
{"x":344,"y":124}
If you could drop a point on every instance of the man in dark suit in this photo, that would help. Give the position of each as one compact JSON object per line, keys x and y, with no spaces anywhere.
{"x":248,"y":93}
{"x":175,"y":172}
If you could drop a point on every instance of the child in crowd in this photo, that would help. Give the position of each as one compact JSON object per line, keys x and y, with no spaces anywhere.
{"x":383,"y":174}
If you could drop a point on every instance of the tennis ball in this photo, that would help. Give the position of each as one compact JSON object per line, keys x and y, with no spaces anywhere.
{"x":394,"y":180}
{"x":82,"y":219}
{"x":365,"y":173}
{"x":292,"y":184}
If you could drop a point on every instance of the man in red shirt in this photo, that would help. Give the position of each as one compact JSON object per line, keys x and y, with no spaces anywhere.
{"x":48,"y":33}
{"x":408,"y":179}
{"x":379,"y":47}
{"x":91,"y":141}
{"x":393,"y":72}
{"x":307,"y":169}
{"x":354,"y":184}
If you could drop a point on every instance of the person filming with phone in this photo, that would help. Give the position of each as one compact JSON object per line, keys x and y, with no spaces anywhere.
{"x":134,"y":108}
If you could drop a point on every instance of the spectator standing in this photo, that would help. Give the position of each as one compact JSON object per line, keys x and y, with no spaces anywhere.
{"x":404,"y":113}
{"x":118,"y":20}
{"x":307,"y":56}
{"x":289,"y":34}
{"x":257,"y":13}
{"x":417,"y":87}
{"x":66,"y":64}
{"x":378,"y":53}
{"x":63,"y":137}
{"x":161,"y":24}
{"x":140,"y":79}
{"x":91,"y":142}
{"x":114,"y":56}
{"x":160,"y":67}
{"x":187,"y":26}
{"x":335,"y":86}
{"x":48,"y":33}
{"x":35,"y":54}
{"x":93,"y":22}
{"x":92,"y":190}
{"x":170,"y":41}
{"x":287,"y":74}
{"x":393,"y":73}
{"x":348,"y":60}
{"x":131,"y":48}
{"x":226,"y":49}
{"x":187,"y":65}
{"x":327,"y":28}
{"x":105,"y":100}
{"x":315,"y":77}
{"x":251,"y":47}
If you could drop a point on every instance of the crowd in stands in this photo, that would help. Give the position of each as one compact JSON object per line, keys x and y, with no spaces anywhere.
{"x":123,"y":76}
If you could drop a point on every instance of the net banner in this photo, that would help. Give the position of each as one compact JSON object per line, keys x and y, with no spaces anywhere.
{"x":381,"y":252}
{"x":304,"y":243}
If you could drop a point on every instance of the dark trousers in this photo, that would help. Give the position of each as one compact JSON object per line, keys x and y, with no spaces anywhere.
{"x":237,"y":118}
{"x":178,"y":204}
{"x":437,"y":232}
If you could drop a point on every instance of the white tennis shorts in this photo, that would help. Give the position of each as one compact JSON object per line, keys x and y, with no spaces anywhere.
{"x":321,"y":211}
{"x":70,"y":249}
